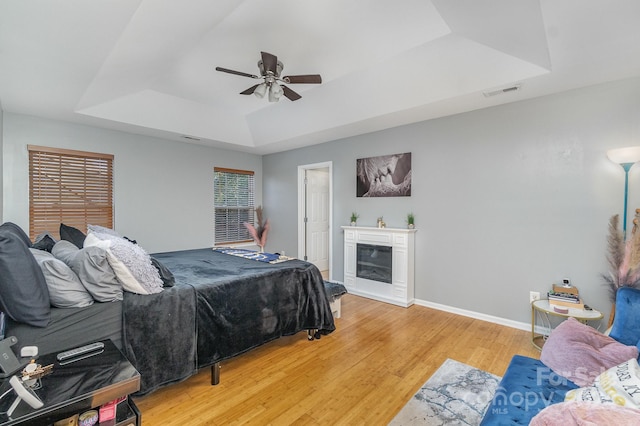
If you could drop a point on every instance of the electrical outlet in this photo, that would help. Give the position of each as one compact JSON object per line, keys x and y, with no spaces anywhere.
{"x":533,"y":296}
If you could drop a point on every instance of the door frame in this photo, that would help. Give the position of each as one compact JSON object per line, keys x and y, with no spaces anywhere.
{"x":301,"y":210}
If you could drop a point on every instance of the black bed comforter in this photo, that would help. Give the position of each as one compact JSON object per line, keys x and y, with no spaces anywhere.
{"x":220,"y":306}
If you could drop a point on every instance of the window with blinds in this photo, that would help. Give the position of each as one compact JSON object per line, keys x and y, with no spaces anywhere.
{"x":234,"y":204}
{"x":70,"y":187}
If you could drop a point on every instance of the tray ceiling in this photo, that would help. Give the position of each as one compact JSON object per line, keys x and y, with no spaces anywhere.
{"x":147,"y":66}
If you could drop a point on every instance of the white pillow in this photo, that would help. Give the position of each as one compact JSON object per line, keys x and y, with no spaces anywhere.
{"x":618,"y":385}
{"x":102,"y":230}
{"x":124,"y":273}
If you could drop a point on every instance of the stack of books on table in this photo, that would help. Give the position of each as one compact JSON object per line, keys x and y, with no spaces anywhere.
{"x":566,"y":297}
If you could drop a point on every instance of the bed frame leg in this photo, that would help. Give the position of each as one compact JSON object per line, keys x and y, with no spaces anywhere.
{"x":313,"y":334}
{"x":215,"y":374}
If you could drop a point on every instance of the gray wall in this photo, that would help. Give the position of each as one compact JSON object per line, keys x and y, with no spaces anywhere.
{"x":507,"y":199}
{"x":163,"y":190}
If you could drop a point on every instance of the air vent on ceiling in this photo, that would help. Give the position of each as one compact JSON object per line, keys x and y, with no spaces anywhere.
{"x":502,"y":91}
{"x":191,"y":138}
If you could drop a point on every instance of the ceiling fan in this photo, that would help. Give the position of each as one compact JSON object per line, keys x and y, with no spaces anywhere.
{"x":270,"y":69}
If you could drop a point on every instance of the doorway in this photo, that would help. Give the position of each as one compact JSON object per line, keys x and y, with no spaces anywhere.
{"x":315,"y":199}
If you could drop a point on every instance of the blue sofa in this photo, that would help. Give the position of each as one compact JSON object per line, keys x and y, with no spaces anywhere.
{"x":528,"y":386}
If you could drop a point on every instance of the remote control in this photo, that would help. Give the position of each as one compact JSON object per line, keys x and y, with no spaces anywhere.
{"x":73,"y":353}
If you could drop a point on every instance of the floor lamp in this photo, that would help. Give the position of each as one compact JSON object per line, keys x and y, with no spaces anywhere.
{"x":626,"y":157}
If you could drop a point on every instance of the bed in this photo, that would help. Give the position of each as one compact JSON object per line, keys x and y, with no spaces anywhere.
{"x":220,"y":306}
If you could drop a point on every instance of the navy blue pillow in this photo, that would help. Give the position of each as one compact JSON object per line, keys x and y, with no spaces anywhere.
{"x":71,"y":234}
{"x":24,"y":295}
{"x":168,"y":280}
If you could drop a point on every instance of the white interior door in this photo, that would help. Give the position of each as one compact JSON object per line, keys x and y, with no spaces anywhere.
{"x":317,"y":217}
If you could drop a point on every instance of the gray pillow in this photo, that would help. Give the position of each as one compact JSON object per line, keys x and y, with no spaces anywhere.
{"x":65,"y":288}
{"x":93,"y":269}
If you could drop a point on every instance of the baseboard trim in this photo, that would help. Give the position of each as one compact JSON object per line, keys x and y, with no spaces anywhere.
{"x":476,"y":315}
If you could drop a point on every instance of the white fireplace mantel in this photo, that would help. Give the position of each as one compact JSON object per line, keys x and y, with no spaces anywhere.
{"x":401,"y":289}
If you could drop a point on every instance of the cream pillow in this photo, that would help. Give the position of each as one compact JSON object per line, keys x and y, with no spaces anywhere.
{"x":619,"y":385}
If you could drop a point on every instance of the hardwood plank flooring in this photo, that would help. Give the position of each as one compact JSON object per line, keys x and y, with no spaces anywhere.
{"x":363,"y":373}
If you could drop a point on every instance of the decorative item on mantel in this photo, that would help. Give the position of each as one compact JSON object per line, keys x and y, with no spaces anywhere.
{"x":411,"y":221}
{"x":354,"y":218}
{"x":381,"y":223}
{"x":259,"y":234}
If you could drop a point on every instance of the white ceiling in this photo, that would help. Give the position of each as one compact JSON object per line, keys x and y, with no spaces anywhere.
{"x":148,"y":66}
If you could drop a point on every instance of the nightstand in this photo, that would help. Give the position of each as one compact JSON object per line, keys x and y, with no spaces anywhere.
{"x":78,"y":387}
{"x":541,"y":309}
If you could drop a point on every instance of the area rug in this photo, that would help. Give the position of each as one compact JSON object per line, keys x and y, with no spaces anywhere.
{"x":456,"y":394}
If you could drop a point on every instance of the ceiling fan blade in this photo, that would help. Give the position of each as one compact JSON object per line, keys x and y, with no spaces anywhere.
{"x":293,"y":96}
{"x":240,"y":73}
{"x":304,"y":79}
{"x":270,"y":62}
{"x":250,"y":90}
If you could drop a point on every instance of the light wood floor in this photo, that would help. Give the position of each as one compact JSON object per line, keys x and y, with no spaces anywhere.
{"x":363,"y":373}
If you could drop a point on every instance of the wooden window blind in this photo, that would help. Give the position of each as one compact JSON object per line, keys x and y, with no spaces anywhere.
{"x":70,"y":187}
{"x":234,"y":204}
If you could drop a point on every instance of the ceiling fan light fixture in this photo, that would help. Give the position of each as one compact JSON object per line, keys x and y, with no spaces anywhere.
{"x":260,"y":90}
{"x":275,"y":92}
{"x":270,"y":70}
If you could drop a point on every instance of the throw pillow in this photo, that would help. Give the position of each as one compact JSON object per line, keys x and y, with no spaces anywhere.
{"x":92,"y":267}
{"x":619,"y":385}
{"x":580,"y":353}
{"x":129,"y":282}
{"x":136,"y":260}
{"x":626,"y":323}
{"x":69,"y":233}
{"x":168,"y":280}
{"x":23,"y":290}
{"x":65,"y":288}
{"x":44,"y":241}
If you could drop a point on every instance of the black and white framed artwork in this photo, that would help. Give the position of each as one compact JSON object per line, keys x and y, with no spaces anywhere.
{"x":384,"y":176}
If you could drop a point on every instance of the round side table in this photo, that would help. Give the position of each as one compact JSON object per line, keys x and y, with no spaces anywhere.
{"x":542,"y":309}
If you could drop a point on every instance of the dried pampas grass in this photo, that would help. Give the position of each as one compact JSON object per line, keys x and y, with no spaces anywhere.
{"x":259,"y":233}
{"x":623,"y":259}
